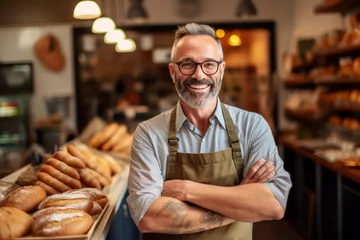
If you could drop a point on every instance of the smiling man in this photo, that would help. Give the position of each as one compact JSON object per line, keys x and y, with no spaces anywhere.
{"x":204,"y":170}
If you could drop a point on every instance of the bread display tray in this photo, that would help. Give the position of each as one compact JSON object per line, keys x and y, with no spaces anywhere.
{"x":115,"y":193}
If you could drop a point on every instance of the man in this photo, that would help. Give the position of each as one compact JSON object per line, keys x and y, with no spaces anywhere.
{"x":188,"y":164}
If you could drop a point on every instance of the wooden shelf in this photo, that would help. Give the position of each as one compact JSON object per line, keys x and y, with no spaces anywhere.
{"x":340,"y":50}
{"x":345,"y":107}
{"x":303,"y":115}
{"x":299,"y":83}
{"x":337,"y":81}
{"x":336,"y":6}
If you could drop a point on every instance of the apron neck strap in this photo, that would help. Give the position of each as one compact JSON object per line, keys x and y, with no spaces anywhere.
{"x":234,"y":140}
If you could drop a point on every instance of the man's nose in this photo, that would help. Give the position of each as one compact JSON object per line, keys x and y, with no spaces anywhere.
{"x":198,"y":74}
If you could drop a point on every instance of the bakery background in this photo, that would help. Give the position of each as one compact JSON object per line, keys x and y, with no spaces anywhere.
{"x":82,"y":78}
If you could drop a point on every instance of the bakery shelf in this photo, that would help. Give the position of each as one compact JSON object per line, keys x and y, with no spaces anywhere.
{"x":343,"y":80}
{"x":336,"y":6}
{"x":299,"y":83}
{"x":339,"y":50}
{"x":304,"y":114}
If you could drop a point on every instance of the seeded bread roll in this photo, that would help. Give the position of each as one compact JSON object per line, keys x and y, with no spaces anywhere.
{"x":62,"y":222}
{"x":25,"y":198}
{"x":14,"y":223}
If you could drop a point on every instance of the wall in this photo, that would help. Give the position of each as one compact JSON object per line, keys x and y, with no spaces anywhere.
{"x":160,"y":12}
{"x":17,"y":45}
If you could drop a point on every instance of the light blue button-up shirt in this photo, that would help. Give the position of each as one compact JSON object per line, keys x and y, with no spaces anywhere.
{"x":150,"y":151}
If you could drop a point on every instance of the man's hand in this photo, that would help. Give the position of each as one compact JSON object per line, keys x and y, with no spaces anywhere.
{"x":174,"y":189}
{"x":260,"y":172}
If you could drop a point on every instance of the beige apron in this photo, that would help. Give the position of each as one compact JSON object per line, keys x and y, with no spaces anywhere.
{"x":223,"y":168}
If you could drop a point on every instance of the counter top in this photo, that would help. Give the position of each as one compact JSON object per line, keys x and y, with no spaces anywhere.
{"x":348,"y":172}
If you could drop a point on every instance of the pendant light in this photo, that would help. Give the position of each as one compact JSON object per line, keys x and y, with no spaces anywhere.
{"x":246,"y":8}
{"x":125,"y":45}
{"x":87,"y":10}
{"x":136,"y":11}
{"x":103,"y":24}
{"x":114,"y":36}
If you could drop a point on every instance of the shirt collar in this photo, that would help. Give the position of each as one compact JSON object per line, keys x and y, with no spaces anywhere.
{"x":181,"y":118}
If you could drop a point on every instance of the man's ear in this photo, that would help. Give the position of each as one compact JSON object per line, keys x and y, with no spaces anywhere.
{"x":222,"y":68}
{"x":172,"y":71}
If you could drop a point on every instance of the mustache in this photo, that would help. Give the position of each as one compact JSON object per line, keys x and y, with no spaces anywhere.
{"x":192,"y":81}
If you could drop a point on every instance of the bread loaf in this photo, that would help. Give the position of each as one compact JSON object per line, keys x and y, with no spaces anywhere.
{"x":25,"y":198}
{"x":79,"y":200}
{"x":62,"y":222}
{"x":53,"y":182}
{"x":116,"y":137}
{"x":98,"y":195}
{"x":14,"y":223}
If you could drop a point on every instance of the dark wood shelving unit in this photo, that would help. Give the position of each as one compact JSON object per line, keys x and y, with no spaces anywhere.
{"x":339,"y":81}
{"x":341,"y":50}
{"x":304,"y":115}
{"x":336,"y":6}
{"x":304,"y":84}
{"x":346,"y":107}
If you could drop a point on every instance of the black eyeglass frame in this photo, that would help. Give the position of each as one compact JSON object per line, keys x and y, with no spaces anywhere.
{"x":196,"y":65}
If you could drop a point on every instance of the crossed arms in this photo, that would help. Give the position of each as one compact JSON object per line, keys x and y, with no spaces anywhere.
{"x":186,"y":206}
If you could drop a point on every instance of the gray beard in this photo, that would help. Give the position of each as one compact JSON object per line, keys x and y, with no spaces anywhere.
{"x":197,"y":100}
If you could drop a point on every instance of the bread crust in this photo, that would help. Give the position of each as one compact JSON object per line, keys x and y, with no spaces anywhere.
{"x":48,"y":189}
{"x":69,"y":181}
{"x":53,"y":182}
{"x":63,"y":167}
{"x":25,"y":198}
{"x":14,"y":223}
{"x":79,"y":200}
{"x":69,"y":159}
{"x":62,"y":222}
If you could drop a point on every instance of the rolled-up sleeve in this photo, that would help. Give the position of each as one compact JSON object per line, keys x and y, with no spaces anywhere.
{"x":145,"y":181}
{"x":262,"y":145}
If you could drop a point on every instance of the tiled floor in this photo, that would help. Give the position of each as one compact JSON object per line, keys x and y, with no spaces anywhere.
{"x":275,"y":230}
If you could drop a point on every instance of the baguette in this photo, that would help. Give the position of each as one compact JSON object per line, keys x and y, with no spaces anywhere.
{"x":53,"y":182}
{"x":48,"y":189}
{"x":88,"y":179}
{"x":78,"y":200}
{"x":121,"y":130}
{"x":69,"y":160}
{"x":124,"y":143}
{"x":69,"y":181}
{"x":63,"y":167}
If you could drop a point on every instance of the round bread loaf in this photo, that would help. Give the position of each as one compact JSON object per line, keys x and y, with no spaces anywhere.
{"x":14,"y":223}
{"x":62,"y":222}
{"x":78,"y":200}
{"x":25,"y":198}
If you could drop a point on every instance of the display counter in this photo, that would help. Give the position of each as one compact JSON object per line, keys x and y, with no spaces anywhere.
{"x":323,"y":202}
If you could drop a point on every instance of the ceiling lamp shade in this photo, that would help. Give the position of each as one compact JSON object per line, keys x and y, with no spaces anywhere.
{"x":87,"y":10}
{"x":103,"y":24}
{"x":136,"y":11}
{"x":246,"y":8}
{"x":126,"y":45}
{"x":114,"y":36}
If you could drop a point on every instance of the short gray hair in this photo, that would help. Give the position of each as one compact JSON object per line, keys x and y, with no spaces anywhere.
{"x":196,"y":29}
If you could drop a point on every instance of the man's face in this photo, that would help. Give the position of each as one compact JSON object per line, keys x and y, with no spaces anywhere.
{"x":199,"y":89}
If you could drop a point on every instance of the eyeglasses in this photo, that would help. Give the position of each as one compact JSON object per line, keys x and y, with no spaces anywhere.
{"x":188,"y":67}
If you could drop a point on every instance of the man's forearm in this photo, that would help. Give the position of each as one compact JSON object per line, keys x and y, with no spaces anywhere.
{"x":172,"y":216}
{"x":247,"y":203}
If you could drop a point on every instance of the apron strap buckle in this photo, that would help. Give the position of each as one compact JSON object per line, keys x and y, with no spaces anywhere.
{"x":173,"y":141}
